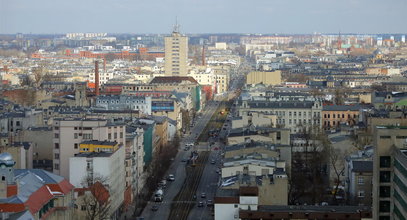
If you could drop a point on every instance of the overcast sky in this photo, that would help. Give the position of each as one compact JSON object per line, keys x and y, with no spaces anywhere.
{"x":204,"y":16}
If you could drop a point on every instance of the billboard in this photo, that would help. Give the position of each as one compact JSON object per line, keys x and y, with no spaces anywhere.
{"x":162,"y":106}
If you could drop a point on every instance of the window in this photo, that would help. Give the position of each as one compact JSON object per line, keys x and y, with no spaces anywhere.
{"x":75,"y":135}
{"x":384,"y":206}
{"x":83,"y":207}
{"x":56,"y":135}
{"x":75,"y":146}
{"x":109,"y":136}
{"x":87,"y":136}
{"x":17,"y":123}
{"x":361,"y":180}
{"x":385,"y":137}
{"x":385,"y":176}
{"x":56,"y":156}
{"x":361,"y":193}
{"x":56,"y":128}
{"x":56,"y":166}
{"x":385,"y":161}
{"x":384,"y":218}
{"x":384,"y":191}
{"x":121,"y":134}
{"x":115,"y":135}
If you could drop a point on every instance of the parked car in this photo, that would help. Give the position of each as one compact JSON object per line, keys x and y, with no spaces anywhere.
{"x":212,"y":161}
{"x":200,"y":204}
{"x":203,"y":195}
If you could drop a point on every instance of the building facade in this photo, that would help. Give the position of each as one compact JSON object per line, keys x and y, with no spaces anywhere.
{"x":176,"y":54}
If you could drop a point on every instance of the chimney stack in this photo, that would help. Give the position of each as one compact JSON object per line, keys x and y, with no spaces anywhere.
{"x":203,"y":55}
{"x":97,"y":78}
{"x":104,"y":64}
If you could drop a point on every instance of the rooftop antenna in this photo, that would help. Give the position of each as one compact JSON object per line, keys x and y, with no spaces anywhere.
{"x":176,"y":26}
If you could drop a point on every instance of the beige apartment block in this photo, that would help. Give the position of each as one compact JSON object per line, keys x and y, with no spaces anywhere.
{"x":176,"y":54}
{"x":267,"y":78}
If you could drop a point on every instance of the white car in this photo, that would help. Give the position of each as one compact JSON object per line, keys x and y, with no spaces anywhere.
{"x":171,"y":177}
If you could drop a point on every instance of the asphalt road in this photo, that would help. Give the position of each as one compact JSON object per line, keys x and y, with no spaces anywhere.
{"x":207,"y":185}
{"x":178,"y":168}
{"x":209,"y":179}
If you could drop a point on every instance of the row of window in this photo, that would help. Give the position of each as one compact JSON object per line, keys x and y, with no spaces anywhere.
{"x":339,"y":115}
{"x":117,"y":101}
{"x":56,"y":146}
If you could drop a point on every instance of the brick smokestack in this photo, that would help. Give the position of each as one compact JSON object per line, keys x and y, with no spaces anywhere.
{"x":104,"y":64}
{"x":203,"y":55}
{"x":97,"y":78}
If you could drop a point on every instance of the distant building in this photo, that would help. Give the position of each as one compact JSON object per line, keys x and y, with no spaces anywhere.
{"x":290,"y":114}
{"x":267,"y":78}
{"x":176,"y":54}
{"x":125,"y":102}
{"x":335,"y":115}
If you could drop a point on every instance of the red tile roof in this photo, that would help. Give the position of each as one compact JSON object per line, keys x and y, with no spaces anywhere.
{"x":64,"y":187}
{"x":38,"y":199}
{"x":11,"y":190}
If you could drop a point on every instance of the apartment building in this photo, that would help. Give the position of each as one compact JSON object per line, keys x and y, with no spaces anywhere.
{"x":70,"y":132}
{"x":266,"y":78}
{"x":334,"y":116}
{"x":103,"y":162}
{"x":399,"y":184}
{"x":389,"y":173}
{"x":176,"y":53}
{"x":359,"y":177}
{"x":294,"y":115}
{"x":124,"y":102}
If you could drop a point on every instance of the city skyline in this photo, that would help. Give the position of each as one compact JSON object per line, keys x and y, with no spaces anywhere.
{"x":293,"y":17}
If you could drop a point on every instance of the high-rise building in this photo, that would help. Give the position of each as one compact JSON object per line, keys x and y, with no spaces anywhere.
{"x":390,"y":173}
{"x":176,"y":53}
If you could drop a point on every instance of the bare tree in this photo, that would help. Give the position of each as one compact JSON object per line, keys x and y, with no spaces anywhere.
{"x":95,"y":200}
{"x":336,"y":157}
{"x":308,"y":181}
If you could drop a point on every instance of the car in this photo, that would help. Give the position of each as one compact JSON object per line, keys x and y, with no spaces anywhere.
{"x":184,"y":160}
{"x":212,"y":161}
{"x":200,"y":204}
{"x":203,"y":195}
{"x":171,"y":177}
{"x":154,"y":208}
{"x":209,"y":202}
{"x":186,"y":148}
